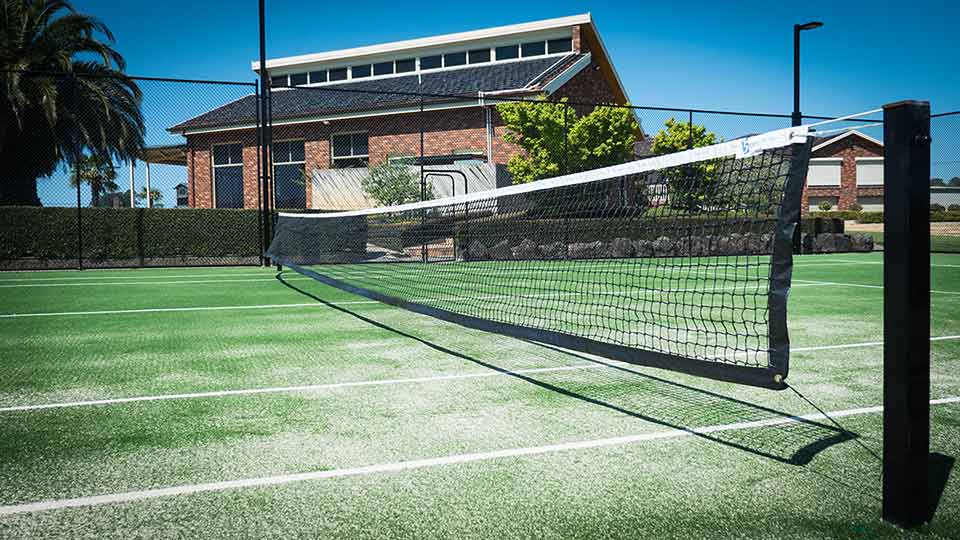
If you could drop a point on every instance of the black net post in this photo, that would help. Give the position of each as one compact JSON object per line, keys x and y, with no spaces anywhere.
{"x":906,"y":353}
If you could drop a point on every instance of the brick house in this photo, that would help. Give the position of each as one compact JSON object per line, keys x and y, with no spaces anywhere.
{"x":845,"y":169}
{"x":360,"y":107}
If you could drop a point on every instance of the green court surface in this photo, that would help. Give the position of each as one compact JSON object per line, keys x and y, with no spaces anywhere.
{"x":227,"y":403}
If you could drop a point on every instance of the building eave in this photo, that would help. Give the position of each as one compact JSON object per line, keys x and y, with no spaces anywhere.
{"x":839,"y":138}
{"x":433,"y":41}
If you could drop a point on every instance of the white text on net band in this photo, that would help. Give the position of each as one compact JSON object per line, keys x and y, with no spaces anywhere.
{"x":739,"y":148}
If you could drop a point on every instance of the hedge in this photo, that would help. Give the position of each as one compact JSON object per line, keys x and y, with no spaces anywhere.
{"x":877,"y":217}
{"x":128,"y":233}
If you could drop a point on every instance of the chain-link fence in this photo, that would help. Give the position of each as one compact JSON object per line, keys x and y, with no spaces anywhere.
{"x":163,"y":172}
{"x":945,"y":182}
{"x":103,"y":178}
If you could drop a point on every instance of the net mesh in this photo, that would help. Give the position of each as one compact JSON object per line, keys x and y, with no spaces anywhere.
{"x":683,"y":266}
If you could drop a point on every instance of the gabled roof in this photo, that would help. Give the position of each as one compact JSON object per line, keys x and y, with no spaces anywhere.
{"x":375,"y":95}
{"x":432,"y":41}
{"x":823,"y":142}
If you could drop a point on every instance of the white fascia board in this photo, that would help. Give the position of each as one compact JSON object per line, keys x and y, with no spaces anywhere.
{"x":446,"y":39}
{"x":334,"y":117}
{"x":567,"y":74}
{"x":844,"y":136}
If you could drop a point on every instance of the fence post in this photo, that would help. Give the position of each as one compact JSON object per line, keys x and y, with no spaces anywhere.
{"x":906,"y":308}
{"x":79,"y":227}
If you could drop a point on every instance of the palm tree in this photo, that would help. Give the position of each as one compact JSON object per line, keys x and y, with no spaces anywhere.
{"x":63,"y":94}
{"x":96,"y":171}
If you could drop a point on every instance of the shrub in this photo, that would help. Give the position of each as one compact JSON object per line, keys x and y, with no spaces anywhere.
{"x":825,"y":206}
{"x":937,"y":207}
{"x":871,"y":217}
{"x":393,"y":183}
{"x":954,"y":208}
{"x":855,"y":207}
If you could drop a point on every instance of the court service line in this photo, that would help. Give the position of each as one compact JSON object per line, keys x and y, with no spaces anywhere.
{"x":387,"y":382}
{"x":175,"y":282}
{"x":455,"y":459}
{"x":294,"y":389}
{"x":860,"y":285}
{"x":352,"y":302}
{"x":159,"y":275}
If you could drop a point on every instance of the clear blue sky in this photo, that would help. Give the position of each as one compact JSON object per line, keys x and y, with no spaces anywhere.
{"x":725,"y":55}
{"x":711,"y":55}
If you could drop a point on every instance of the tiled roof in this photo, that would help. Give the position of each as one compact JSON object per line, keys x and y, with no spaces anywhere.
{"x":374,"y":94}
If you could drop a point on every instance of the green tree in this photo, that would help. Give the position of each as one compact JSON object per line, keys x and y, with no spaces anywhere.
{"x":690,"y":185}
{"x":393,"y":183}
{"x":156,"y":197}
{"x":556,"y":140}
{"x":97,"y":172}
{"x":937,"y":182}
{"x":89,"y":107}
{"x":955,"y":181}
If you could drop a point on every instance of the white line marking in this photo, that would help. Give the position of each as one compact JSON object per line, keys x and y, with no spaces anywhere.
{"x":303,"y":388}
{"x":844,"y":262}
{"x":143,"y":276}
{"x":351,"y":302}
{"x":389,"y":382}
{"x":861,"y":285}
{"x":190,"y":489}
{"x":177,"y":309}
{"x":179,"y":282}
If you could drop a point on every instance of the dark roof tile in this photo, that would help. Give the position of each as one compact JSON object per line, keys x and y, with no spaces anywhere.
{"x":376,"y":94}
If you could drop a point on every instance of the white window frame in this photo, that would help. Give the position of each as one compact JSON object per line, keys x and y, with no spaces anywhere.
{"x":333,"y":158}
{"x":276,"y":162}
{"x":870,"y":160}
{"x":442,"y":52}
{"x":826,"y":161}
{"x":214,"y":166}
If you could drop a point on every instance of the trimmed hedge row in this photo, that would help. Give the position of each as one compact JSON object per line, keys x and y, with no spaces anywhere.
{"x":127,"y":233}
{"x":877,"y":217}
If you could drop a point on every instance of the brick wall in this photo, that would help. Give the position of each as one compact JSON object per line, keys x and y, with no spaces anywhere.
{"x":847,"y":149}
{"x":444,"y":132}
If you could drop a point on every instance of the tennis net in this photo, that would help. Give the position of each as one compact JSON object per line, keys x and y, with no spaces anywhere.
{"x":680,"y":261}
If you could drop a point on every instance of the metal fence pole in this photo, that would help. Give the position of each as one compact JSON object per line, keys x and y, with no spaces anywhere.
{"x":906,"y":309}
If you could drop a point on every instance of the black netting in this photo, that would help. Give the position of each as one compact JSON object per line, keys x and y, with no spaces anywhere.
{"x":684,"y":267}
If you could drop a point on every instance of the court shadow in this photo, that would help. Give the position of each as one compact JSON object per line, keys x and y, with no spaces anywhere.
{"x":752,"y":428}
{"x":939,"y":468}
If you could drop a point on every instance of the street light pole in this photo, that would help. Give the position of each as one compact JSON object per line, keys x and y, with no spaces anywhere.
{"x":796,"y":117}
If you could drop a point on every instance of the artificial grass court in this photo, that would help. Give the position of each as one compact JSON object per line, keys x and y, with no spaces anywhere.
{"x":225,"y":403}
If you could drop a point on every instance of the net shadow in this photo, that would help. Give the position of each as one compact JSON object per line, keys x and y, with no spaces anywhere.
{"x":658,"y":401}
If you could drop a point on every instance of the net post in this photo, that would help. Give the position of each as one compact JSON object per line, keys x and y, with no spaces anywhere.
{"x":906,"y":307}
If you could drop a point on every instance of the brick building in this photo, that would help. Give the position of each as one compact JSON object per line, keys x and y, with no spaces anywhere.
{"x":360,"y":107}
{"x":844,"y":170}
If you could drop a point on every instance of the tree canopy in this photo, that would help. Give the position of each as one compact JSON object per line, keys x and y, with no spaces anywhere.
{"x":63,"y":95}
{"x":393,"y":183}
{"x":557,"y":140}
{"x":690,"y":185}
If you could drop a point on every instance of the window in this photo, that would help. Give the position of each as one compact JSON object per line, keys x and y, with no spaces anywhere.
{"x":278,"y":80}
{"x":228,"y":175}
{"x":559,"y":45}
{"x":339,"y":74}
{"x":407,"y":64}
{"x":349,"y":150}
{"x":288,"y":174}
{"x":383,"y":68}
{"x":869,"y":171}
{"x":824,"y":172}
{"x":298,"y":79}
{"x":479,"y":55}
{"x":534,"y":48}
{"x":507,"y":52}
{"x":454,"y":59}
{"x":318,"y":76}
{"x":431,"y":62}
{"x":357,"y":72}
{"x":871,"y":204}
